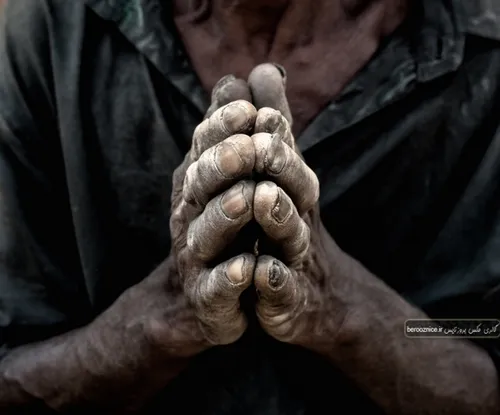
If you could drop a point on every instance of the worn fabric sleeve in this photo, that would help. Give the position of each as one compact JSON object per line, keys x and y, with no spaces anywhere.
{"x":40,"y":279}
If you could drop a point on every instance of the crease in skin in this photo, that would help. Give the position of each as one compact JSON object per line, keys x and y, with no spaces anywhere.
{"x":238,"y":117}
{"x":217,"y":168}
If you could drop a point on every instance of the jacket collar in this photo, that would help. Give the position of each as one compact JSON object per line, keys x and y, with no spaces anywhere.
{"x":438,"y":39}
{"x":440,"y":35}
{"x":146,"y":25}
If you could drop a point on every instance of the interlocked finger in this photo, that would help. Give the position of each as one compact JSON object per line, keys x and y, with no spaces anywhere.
{"x":237,"y":117}
{"x":216,"y":298}
{"x":273,"y":122}
{"x":218,"y":168}
{"x":223,"y":217}
{"x":281,"y":298}
{"x":275,"y":212}
{"x":284,"y":166}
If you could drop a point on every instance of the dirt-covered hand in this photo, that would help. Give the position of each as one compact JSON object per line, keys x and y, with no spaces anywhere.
{"x":212,"y":201}
{"x":297,"y":256}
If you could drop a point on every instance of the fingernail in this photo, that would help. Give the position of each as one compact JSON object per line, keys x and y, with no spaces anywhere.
{"x":282,"y":209}
{"x":222,"y":82}
{"x":233,"y":202}
{"x":276,"y":155}
{"x":276,"y":276}
{"x":228,"y":159}
{"x":235,"y":118}
{"x":282,"y":71}
{"x":268,"y":121}
{"x":235,"y":272}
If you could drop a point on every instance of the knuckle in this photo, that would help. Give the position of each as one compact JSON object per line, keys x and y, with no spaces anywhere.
{"x":188,"y":190}
{"x":197,"y":247}
{"x":302,"y":244}
{"x":199,"y":134}
{"x":311,"y":198}
{"x":223,"y":333}
{"x":178,"y":222}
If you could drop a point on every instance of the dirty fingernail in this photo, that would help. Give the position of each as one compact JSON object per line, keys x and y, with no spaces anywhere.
{"x":283,"y":208}
{"x":235,"y":118}
{"x":233,"y":202}
{"x":234,"y":271}
{"x":276,"y":155}
{"x":271,"y":120}
{"x":276,"y":276}
{"x":228,"y":159}
{"x":281,"y":70}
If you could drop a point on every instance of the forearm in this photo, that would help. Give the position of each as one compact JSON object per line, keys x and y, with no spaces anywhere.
{"x":113,"y":364}
{"x":409,"y":375}
{"x":77,"y":371}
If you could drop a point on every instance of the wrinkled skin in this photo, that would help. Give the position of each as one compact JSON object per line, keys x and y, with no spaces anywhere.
{"x":211,"y":203}
{"x":244,"y":167}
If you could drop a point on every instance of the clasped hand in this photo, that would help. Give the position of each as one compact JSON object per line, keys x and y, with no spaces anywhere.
{"x":244,"y":173}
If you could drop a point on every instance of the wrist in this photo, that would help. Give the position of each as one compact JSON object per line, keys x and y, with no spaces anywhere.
{"x":349,"y":303}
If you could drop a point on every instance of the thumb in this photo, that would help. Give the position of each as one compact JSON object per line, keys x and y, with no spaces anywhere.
{"x":267,"y":83}
{"x":216,"y":297}
{"x":279,"y":297}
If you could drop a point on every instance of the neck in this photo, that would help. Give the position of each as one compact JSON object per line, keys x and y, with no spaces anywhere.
{"x":269,"y":12}
{"x":256,"y":23}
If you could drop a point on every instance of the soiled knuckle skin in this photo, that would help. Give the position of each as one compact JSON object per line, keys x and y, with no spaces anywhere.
{"x":303,"y":241}
{"x":188,"y":191}
{"x":219,"y":332}
{"x":180,"y":220}
{"x":237,"y":117}
{"x":222,"y":218}
{"x":197,"y":248}
{"x":198,"y":137}
{"x":221,"y":325}
{"x":287,"y":168}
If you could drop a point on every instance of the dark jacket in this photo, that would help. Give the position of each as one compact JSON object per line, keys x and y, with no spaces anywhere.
{"x":97,"y":107}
